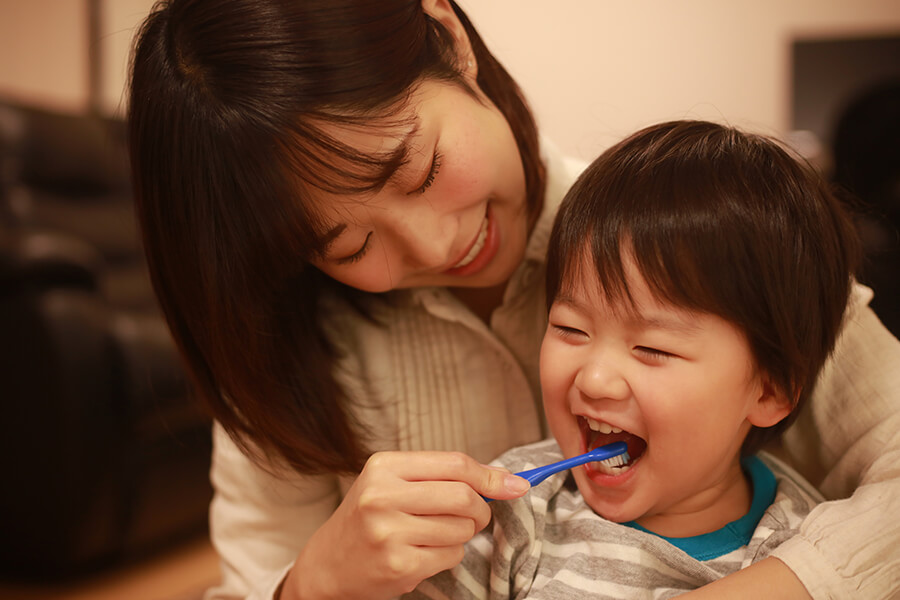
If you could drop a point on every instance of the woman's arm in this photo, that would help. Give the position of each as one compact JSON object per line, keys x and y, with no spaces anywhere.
{"x":847,"y":443}
{"x":260,"y":522}
{"x":769,"y":578}
{"x":850,"y":438}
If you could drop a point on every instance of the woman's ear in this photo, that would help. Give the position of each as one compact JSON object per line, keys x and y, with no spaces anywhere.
{"x":772,"y":405}
{"x":442,"y":11}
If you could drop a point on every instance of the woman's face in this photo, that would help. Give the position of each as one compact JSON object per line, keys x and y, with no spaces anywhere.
{"x":454,"y":215}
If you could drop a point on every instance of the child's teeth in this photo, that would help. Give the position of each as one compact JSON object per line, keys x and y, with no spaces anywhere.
{"x":602,"y":427}
{"x":615,"y":465}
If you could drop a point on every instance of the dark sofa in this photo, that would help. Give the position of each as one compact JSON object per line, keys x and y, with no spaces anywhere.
{"x":105,"y":454}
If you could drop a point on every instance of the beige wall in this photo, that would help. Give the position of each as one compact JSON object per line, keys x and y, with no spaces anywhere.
{"x":593,"y":70}
{"x":43,"y":51}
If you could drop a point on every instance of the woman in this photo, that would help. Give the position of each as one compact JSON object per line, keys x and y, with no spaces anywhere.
{"x":345,"y":212}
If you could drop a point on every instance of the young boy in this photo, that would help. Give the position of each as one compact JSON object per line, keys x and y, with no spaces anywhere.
{"x":697,"y":280}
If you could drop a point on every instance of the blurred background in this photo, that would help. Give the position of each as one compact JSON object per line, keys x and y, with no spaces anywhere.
{"x":104,"y":453}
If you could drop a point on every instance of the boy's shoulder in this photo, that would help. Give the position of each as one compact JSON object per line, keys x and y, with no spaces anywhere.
{"x":794,"y":499}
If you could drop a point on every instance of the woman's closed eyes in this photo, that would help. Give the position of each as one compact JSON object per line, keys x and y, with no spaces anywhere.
{"x":433,"y":170}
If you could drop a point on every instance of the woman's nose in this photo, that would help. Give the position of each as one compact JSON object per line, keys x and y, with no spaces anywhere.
{"x":424,"y":252}
{"x":601,"y":378}
{"x":425,"y":239}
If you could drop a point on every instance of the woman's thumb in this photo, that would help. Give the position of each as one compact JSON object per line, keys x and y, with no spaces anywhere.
{"x":500,"y":484}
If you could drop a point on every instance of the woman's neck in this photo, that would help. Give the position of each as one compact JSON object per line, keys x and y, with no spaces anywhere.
{"x":481,"y":301}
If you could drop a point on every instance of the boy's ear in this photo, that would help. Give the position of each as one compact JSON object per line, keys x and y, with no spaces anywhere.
{"x":442,"y":11}
{"x":772,"y":405}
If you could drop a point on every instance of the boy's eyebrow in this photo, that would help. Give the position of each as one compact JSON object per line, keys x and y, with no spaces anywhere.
{"x":570,"y":301}
{"x":675,"y":325}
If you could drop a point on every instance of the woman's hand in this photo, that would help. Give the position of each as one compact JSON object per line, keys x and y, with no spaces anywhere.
{"x":405,"y":518}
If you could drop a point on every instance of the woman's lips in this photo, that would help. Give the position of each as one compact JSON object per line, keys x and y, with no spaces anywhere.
{"x":476,"y":247}
{"x":481,"y":251}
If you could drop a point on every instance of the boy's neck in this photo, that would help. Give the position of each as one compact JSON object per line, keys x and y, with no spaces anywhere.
{"x":707,"y":512}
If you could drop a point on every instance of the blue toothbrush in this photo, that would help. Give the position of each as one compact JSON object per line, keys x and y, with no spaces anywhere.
{"x":603,"y":453}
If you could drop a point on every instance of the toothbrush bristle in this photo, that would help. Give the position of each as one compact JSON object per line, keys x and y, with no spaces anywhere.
{"x":617,"y":461}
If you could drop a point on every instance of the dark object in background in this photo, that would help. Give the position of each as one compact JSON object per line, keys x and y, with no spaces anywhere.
{"x":104,"y":454}
{"x":845,"y":93}
{"x":866,"y":166}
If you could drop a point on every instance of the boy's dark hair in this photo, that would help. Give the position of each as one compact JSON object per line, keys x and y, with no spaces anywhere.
{"x":722,"y":222}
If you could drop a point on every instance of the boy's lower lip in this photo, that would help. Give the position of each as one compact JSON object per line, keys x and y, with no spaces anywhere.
{"x":488,"y":251}
{"x":605,"y":480}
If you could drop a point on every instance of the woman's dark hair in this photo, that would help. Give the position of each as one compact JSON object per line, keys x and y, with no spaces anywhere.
{"x":229,"y":106}
{"x":721,"y":222}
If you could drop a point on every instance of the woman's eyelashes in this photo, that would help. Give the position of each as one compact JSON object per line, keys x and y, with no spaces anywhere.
{"x":356,"y":256}
{"x":431,"y":174}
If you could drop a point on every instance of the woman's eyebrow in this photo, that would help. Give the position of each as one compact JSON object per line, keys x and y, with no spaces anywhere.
{"x":394,"y":161}
{"x":399,"y":156}
{"x":332,"y":234}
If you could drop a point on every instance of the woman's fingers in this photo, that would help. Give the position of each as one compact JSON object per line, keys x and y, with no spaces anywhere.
{"x":441,"y":531}
{"x":490,"y":482}
{"x":406,"y":517}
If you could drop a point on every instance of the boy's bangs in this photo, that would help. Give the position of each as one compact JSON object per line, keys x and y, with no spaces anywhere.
{"x":674,"y":258}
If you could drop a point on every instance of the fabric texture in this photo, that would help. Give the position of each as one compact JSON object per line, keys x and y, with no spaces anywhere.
{"x":436,"y":377}
{"x":550,"y":544}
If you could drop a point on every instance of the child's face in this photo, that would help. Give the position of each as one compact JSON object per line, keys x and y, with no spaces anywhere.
{"x":680,"y":386}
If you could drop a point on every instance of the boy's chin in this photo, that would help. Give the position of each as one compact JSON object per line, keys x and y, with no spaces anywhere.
{"x":598,"y":499}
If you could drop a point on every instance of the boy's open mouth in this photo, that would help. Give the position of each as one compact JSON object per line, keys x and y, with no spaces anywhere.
{"x":598,"y":433}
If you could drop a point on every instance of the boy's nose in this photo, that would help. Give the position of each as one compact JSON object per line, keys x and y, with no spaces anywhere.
{"x":601,"y":379}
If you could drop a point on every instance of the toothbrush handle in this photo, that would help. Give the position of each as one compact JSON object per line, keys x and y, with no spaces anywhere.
{"x":535,"y":476}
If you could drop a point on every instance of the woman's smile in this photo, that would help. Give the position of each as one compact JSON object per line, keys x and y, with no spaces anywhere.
{"x":465,"y":226}
{"x":480,"y":251}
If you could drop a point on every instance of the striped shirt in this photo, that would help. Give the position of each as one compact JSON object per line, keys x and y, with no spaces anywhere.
{"x":550,"y":544}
